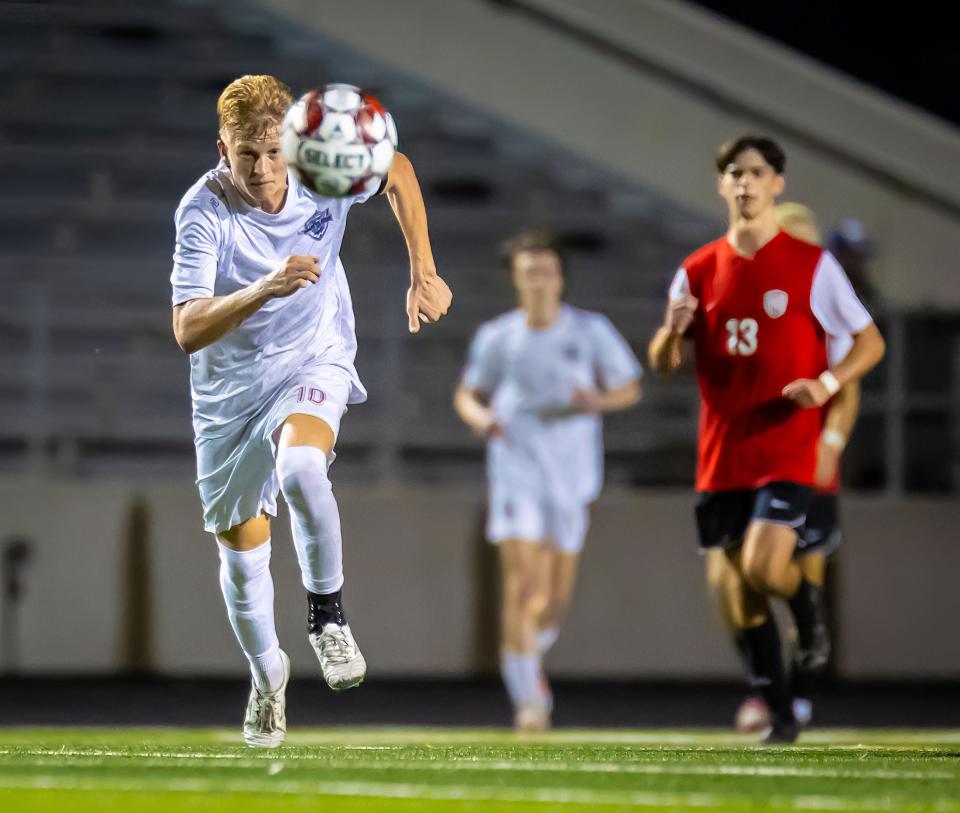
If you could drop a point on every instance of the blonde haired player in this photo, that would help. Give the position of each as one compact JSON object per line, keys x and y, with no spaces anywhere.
{"x":261,"y":304}
{"x":821,"y":534}
{"x":536,"y":382}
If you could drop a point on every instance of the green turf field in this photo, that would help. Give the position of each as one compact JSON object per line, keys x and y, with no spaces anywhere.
{"x":350,"y":770}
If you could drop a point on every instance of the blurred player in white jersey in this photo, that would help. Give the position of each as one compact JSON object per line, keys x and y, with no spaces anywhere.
{"x":261,"y":304}
{"x":821,"y":534}
{"x":536,"y":382}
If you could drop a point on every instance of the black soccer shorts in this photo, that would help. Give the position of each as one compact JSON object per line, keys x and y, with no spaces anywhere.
{"x":822,"y":532}
{"x":723,"y":516}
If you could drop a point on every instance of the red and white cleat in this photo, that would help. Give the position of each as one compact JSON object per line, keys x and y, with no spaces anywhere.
{"x":753,"y":716}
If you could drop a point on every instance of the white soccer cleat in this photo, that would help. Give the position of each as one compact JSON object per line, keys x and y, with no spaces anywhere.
{"x":265,"y":723}
{"x":531,"y":718}
{"x":340,"y":660}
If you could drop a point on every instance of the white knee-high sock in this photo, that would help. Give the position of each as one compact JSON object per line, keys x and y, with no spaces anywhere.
{"x":248,"y":592}
{"x":315,"y":518}
{"x":521,"y":676}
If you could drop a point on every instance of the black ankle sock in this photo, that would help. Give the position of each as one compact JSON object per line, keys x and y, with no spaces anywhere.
{"x":766,"y":665}
{"x":808,"y":613}
{"x":323,"y":609}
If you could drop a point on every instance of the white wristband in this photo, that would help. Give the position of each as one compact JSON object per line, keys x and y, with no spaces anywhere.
{"x":834,"y":439}
{"x":829,"y":380}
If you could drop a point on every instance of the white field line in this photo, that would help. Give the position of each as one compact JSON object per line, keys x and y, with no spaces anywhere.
{"x":50,"y":758}
{"x":833,"y":738}
{"x":675,"y":801}
{"x":372,"y":738}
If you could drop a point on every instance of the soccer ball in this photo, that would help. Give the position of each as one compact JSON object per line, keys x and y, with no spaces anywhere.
{"x":338,"y":141}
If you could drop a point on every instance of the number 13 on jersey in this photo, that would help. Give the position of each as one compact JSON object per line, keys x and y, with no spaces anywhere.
{"x":742,"y":337}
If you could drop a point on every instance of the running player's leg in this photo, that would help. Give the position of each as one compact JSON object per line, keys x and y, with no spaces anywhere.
{"x":758,"y":639}
{"x":567,"y":532}
{"x":813,"y":566}
{"x":524,"y":599}
{"x":248,"y":593}
{"x":770,"y":565}
{"x":560,"y":576}
{"x":767,"y":559}
{"x":724,"y":586}
{"x":821,"y":535}
{"x":303,"y":452}
{"x":724,"y":520}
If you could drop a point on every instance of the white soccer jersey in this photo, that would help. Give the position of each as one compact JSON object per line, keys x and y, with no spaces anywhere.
{"x":530,"y":375}
{"x":223,"y":245}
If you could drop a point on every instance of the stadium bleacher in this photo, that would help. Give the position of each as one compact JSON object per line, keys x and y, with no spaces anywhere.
{"x":110,"y":113}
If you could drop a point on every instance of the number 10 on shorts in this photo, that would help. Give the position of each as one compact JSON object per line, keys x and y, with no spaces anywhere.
{"x":314,"y":395}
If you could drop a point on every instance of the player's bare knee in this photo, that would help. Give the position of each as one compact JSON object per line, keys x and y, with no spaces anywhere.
{"x":514,"y":588}
{"x":535,"y":602}
{"x":759,"y":574}
{"x":247,"y":535}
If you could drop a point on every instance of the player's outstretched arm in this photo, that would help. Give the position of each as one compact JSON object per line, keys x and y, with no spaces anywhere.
{"x":475,"y":412}
{"x":865,"y":354}
{"x":428,"y":297}
{"x":200,"y":322}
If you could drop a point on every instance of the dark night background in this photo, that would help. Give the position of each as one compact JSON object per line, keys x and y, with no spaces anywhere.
{"x":910,"y":54}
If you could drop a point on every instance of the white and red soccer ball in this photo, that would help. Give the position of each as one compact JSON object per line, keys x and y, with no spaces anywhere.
{"x":338,"y":141}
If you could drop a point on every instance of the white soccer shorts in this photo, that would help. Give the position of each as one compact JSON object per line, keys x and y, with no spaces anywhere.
{"x":236,"y":474}
{"x":533,"y":519}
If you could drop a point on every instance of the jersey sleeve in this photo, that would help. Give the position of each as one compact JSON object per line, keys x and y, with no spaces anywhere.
{"x":680,"y":287}
{"x":484,"y":364}
{"x":196,"y":253}
{"x":838,"y":347}
{"x":372,"y":190}
{"x":615,"y":362}
{"x":833,"y":301}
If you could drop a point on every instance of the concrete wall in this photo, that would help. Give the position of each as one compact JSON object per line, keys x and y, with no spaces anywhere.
{"x":420,"y":604}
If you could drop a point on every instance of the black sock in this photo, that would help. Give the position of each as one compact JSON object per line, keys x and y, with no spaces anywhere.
{"x":766,"y":664}
{"x":743,"y":650}
{"x":802,"y":681}
{"x":324,"y":609}
{"x":808,"y":613}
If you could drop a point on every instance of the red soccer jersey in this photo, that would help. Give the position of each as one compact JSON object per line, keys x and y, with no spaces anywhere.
{"x":754,"y":332}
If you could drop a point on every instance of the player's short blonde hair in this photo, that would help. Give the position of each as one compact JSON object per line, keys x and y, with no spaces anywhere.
{"x":251,"y":106}
{"x":799,"y":221}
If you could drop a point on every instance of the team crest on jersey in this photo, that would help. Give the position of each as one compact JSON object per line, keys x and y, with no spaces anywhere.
{"x":316,"y":225}
{"x":775,"y":303}
{"x":571,"y":352}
